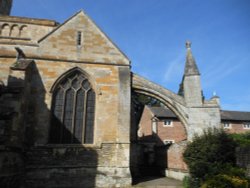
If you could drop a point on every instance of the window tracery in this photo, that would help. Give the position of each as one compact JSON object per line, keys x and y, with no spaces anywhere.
{"x":73,"y":110}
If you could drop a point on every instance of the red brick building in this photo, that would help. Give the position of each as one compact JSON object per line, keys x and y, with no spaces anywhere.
{"x":162,"y":134}
{"x":163,"y":123}
{"x":162,"y":137}
{"x":235,"y":121}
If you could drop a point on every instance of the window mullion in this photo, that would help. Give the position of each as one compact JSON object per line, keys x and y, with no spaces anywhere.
{"x":84,"y":115}
{"x":73,"y":118}
{"x":62,"y":116}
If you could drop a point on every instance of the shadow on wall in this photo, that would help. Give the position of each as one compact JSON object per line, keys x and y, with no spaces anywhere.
{"x":45,"y":164}
{"x":55,"y":164}
{"x":11,"y":163}
{"x":148,"y":154}
{"x":153,"y":152}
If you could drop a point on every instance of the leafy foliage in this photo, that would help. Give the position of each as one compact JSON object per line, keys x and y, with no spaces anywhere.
{"x":139,"y":101}
{"x":145,"y":99}
{"x":225,"y":181}
{"x":208,"y":153}
{"x":212,"y":162}
{"x":242,"y":139}
{"x":190,"y":182}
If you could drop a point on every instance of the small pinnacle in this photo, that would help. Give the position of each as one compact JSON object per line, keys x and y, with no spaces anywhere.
{"x":188,"y":44}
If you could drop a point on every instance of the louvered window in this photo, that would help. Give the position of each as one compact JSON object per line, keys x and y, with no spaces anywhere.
{"x":73,"y":110}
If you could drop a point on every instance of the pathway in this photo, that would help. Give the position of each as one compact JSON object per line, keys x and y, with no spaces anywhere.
{"x":159,"y":182}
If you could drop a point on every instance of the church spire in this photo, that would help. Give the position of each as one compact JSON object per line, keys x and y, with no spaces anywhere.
{"x":190,"y":67}
{"x":190,"y":87}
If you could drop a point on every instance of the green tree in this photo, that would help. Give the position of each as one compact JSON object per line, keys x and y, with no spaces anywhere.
{"x":209,"y":153}
{"x":242,"y":139}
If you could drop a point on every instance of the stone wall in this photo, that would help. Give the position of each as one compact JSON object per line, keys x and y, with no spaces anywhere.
{"x":243,"y":158}
{"x":78,"y":44}
{"x":24,"y":30}
{"x":105,"y":162}
{"x":202,"y":118}
{"x":192,"y":91}
{"x":51,"y":166}
{"x":13,"y":104}
{"x":175,"y":158}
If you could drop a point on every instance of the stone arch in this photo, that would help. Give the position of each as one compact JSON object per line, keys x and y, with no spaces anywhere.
{"x":15,"y":32}
{"x":23,"y":31}
{"x":150,"y":151}
{"x":173,"y":101}
{"x":5,"y":30}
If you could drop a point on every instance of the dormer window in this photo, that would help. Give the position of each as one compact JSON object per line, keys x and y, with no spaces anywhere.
{"x":79,"y":38}
{"x":246,"y":125}
{"x":226,"y":125}
{"x":168,"y":123}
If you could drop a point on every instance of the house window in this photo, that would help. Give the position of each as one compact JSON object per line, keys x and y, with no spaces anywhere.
{"x":226,"y":125}
{"x":73,"y":107}
{"x":79,"y":38}
{"x":246,"y":125}
{"x":168,"y":142}
{"x":167,"y":123}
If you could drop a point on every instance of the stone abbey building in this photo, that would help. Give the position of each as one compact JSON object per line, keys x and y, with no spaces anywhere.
{"x":66,"y":114}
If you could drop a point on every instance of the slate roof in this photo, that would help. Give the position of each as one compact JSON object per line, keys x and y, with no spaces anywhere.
{"x":164,"y":112}
{"x":235,"y":115}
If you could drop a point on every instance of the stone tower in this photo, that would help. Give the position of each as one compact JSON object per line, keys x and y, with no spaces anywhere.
{"x":5,"y":7}
{"x":191,"y":81}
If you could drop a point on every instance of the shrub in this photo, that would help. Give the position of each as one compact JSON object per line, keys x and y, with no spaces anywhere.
{"x":207,"y":155}
{"x":233,"y":171}
{"x":218,"y":181}
{"x":189,"y":182}
{"x":225,"y":181}
{"x":185,"y":182}
{"x":242,"y":139}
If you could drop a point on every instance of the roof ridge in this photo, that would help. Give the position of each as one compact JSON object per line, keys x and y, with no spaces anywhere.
{"x":234,"y":111}
{"x":59,"y":26}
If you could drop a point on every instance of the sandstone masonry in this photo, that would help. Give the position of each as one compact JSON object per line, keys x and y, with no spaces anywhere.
{"x":38,"y":59}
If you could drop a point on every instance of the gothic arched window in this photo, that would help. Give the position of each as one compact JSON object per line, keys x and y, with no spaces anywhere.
{"x":73,"y":108}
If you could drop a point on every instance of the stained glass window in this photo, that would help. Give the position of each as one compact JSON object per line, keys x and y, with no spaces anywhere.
{"x":73,"y":111}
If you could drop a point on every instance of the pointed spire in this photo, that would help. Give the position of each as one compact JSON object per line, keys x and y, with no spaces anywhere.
{"x":190,"y":67}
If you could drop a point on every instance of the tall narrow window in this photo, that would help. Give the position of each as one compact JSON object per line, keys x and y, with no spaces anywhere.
{"x":73,"y":110}
{"x":154,"y":127}
{"x":79,"y":38}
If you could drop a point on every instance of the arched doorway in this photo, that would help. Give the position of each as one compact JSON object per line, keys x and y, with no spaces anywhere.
{"x":158,"y":130}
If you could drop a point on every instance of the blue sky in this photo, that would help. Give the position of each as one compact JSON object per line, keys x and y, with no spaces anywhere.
{"x":152,"y":33}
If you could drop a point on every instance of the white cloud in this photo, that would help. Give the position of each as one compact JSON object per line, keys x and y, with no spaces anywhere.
{"x":174,"y":69}
{"x":220,"y":69}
